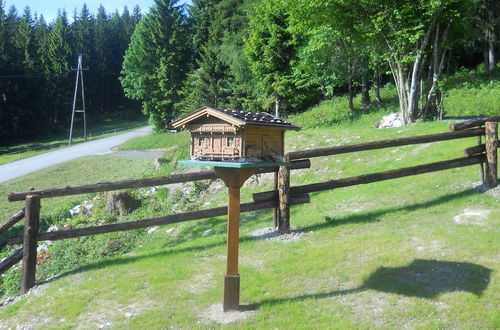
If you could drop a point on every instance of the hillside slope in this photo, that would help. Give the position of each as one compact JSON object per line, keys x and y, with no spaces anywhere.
{"x":416,"y":252}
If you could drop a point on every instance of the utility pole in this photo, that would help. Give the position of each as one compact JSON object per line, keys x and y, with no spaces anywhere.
{"x":79,"y":78}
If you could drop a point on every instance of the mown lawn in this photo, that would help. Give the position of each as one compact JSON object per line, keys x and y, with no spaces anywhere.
{"x":415,"y":252}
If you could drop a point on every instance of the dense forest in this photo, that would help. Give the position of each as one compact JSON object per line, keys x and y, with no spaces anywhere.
{"x":36,"y":81}
{"x":274,"y":55}
{"x":283,"y":56}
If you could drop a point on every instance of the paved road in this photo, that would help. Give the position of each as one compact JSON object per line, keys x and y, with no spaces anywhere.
{"x":97,"y":147}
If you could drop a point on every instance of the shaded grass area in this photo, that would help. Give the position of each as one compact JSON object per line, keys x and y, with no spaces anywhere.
{"x":384,"y":255}
{"x":55,"y":211}
{"x":95,"y":130}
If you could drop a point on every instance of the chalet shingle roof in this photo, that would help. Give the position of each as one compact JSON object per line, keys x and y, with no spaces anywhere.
{"x":238,"y":117}
{"x":258,"y":118}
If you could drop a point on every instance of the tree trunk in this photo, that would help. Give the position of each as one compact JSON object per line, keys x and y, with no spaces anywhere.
{"x":365,"y":88}
{"x":277,"y":106}
{"x":376,"y":87}
{"x":350,"y":88}
{"x":438,"y":56}
{"x":490,"y":46}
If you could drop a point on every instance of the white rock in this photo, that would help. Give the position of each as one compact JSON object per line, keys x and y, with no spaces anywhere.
{"x":152,"y":229}
{"x":52,"y":228}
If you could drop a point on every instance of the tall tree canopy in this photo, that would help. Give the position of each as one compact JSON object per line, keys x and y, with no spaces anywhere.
{"x":156,"y":61}
{"x":36,"y":81}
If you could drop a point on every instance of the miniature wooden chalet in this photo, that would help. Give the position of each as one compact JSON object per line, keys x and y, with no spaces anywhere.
{"x":234,"y":135}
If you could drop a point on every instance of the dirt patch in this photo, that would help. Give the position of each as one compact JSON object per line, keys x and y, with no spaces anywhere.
{"x":472,"y":217}
{"x":200,"y":283}
{"x":270,"y":234}
{"x":215,"y":313}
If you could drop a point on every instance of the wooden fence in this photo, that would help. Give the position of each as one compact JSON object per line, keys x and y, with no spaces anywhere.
{"x":279,"y":199}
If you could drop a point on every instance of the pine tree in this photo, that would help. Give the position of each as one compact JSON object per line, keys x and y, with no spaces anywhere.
{"x":55,"y":54}
{"x":155,"y":63}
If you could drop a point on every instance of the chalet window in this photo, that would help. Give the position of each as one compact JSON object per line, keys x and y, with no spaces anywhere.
{"x":230,"y":141}
{"x":201,"y":141}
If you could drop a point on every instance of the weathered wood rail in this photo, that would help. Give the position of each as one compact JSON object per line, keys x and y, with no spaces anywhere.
{"x":475,"y":155}
{"x":31,"y":213}
{"x":11,"y":221}
{"x":157,"y":221}
{"x":337,"y":150}
{"x":374,"y":177}
{"x":280,"y":199}
{"x":139,"y":183}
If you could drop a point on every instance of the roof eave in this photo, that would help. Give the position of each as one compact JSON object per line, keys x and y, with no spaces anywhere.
{"x":203,"y":111}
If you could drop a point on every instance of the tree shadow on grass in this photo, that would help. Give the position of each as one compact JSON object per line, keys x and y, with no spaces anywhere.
{"x":171,"y":249}
{"x":421,"y":278}
{"x":373,"y":216}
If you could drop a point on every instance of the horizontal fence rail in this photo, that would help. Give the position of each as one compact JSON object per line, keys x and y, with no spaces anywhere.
{"x":140,"y":183}
{"x":11,"y":221}
{"x":336,"y":150}
{"x":163,"y":220}
{"x":473,"y":123}
{"x":374,"y":177}
{"x":11,"y":260}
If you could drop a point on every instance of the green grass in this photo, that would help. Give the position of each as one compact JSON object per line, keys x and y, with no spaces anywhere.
{"x":157,"y":141}
{"x":95,"y":130}
{"x":471,"y":93}
{"x":334,"y":112}
{"x":383,"y":255}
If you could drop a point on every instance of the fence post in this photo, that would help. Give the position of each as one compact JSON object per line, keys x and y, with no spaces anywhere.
{"x":491,"y":132}
{"x":276,"y":210}
{"x":284,"y":198}
{"x":30,"y":244}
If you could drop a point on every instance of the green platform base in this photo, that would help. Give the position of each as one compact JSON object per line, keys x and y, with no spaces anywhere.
{"x":230,"y":164}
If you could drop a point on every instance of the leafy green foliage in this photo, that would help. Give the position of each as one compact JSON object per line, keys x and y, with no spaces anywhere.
{"x":155,"y":63}
{"x":471,"y":93}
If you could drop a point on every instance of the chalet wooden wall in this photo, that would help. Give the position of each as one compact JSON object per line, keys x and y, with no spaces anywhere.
{"x":260,"y":142}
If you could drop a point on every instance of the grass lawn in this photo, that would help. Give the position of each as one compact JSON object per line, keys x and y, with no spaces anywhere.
{"x":96,"y":130}
{"x":415,"y":252}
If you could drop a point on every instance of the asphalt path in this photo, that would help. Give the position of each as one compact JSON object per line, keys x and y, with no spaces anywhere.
{"x":96,"y":147}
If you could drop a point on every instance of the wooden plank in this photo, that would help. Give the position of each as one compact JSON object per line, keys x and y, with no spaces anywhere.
{"x":138,"y":183}
{"x":384,"y":144}
{"x":11,"y":221}
{"x":491,"y":153}
{"x":10,"y":261}
{"x":471,"y":151}
{"x":276,"y":209}
{"x":473,"y":123}
{"x":158,"y":221}
{"x":30,"y":242}
{"x":284,"y":199}
{"x":374,"y":177}
{"x":233,"y":230}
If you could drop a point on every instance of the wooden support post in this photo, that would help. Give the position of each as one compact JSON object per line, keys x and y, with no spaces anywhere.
{"x":284,"y":198}
{"x":481,"y":165}
{"x":276,"y":210}
{"x":491,"y":131}
{"x":30,"y":244}
{"x":234,"y":179}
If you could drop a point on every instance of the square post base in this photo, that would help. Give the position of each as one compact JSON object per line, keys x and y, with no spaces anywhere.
{"x":231,"y":293}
